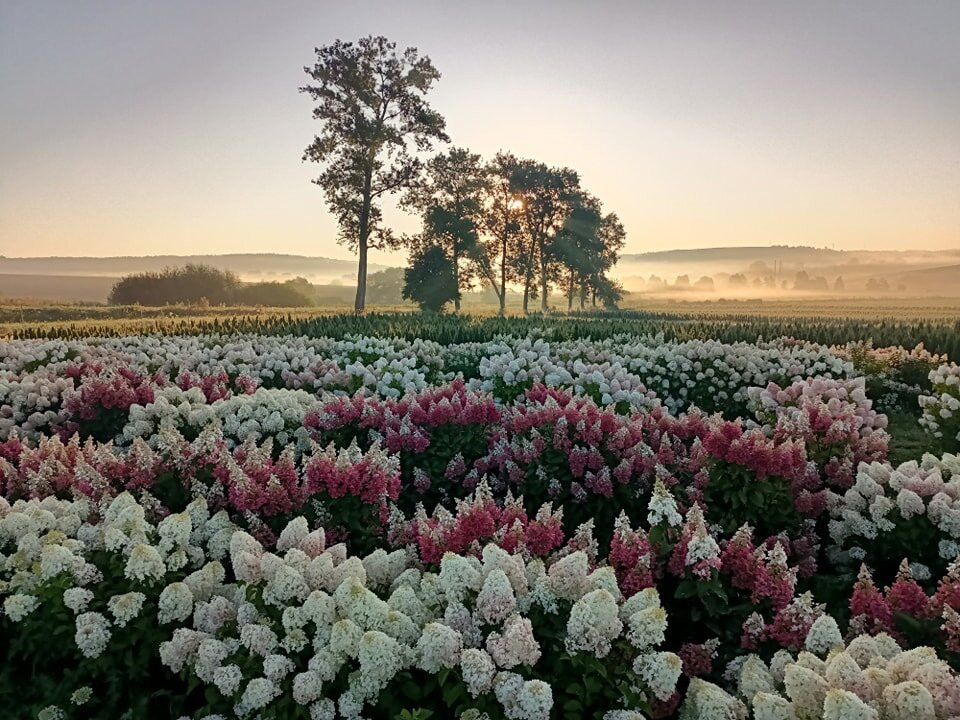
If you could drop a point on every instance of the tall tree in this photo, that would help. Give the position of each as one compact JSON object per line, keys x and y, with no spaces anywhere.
{"x":502,"y":223}
{"x":372,"y":103}
{"x":451,"y":200}
{"x":546,"y":195}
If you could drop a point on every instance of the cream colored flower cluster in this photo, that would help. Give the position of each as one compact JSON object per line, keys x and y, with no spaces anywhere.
{"x":629,"y":369}
{"x":276,"y":413}
{"x":378,"y":616}
{"x":868,"y":678}
{"x":299,"y":620}
{"x":941,"y":409}
{"x":44,"y":542}
{"x":884,"y":497}
{"x":30,"y":405}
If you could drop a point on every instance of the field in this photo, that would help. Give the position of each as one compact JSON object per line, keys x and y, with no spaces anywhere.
{"x":667,"y":512}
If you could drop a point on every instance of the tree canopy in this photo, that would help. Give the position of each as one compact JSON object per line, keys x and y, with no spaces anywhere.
{"x":430,"y":280}
{"x":451,"y":201}
{"x":375,"y":118}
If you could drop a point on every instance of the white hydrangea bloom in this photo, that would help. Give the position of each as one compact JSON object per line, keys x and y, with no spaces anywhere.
{"x":593,"y":624}
{"x":175,"y":603}
{"x":458,"y":576}
{"x":515,"y":645}
{"x":438,"y":647}
{"x":145,"y":564}
{"x":478,"y":671}
{"x":646,"y":627}
{"x":307,"y":687}
{"x":77,"y":599}
{"x":496,"y":600}
{"x":92,"y":634}
{"x":227,"y":679}
{"x":19,"y":605}
{"x":659,"y":671}
{"x":824,"y":635}
{"x":126,"y":607}
{"x":567,"y":578}
{"x":259,"y":693}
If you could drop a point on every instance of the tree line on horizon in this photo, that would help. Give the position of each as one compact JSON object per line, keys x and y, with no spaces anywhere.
{"x":506,"y":221}
{"x":197,"y":284}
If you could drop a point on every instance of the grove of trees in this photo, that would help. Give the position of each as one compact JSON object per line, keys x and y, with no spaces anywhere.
{"x":504,"y":222}
{"x":203,"y":284}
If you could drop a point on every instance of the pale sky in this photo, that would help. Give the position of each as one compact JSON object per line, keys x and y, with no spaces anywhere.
{"x":176,"y":127}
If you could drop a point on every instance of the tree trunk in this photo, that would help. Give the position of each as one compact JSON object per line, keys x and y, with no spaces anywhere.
{"x":456,"y":274}
{"x":570,"y":289}
{"x":544,"y":305}
{"x":503,"y":275}
{"x":360,"y":302}
{"x":361,"y":299}
{"x":528,"y":276}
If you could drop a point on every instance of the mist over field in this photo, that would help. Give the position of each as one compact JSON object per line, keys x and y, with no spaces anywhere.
{"x":703,"y":274}
{"x":789,"y":271}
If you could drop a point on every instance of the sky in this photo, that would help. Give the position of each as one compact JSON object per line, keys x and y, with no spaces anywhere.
{"x":176,"y":127}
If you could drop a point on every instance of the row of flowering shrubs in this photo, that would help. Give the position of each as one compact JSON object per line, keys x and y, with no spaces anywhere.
{"x":355,"y":456}
{"x":546,"y":550}
{"x":258,"y":385}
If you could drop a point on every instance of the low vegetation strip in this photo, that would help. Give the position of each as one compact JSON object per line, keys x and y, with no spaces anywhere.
{"x":823,"y":323}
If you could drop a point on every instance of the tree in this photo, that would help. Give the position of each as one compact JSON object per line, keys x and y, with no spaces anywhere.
{"x":608,"y":292}
{"x":191,"y":283}
{"x":451,"y":201}
{"x":372,"y":103}
{"x":386,"y":287}
{"x":546,"y":195}
{"x":612,"y":237}
{"x":576,"y":245}
{"x":430,"y":281}
{"x":586,"y":247}
{"x":292,"y":293}
{"x":705,"y":284}
{"x":502,"y":222}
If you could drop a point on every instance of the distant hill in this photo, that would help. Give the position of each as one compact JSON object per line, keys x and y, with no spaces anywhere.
{"x":793,"y":255}
{"x":267,"y":266}
{"x":742,"y":254}
{"x":946,"y":275}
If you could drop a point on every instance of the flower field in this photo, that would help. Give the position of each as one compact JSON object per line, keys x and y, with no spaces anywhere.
{"x":510,"y":526}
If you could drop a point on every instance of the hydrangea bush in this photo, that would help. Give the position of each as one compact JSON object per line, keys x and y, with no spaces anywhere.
{"x":941,"y":408}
